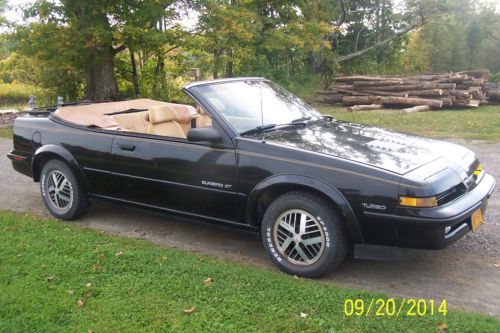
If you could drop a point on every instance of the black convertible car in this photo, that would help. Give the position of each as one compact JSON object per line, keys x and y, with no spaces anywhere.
{"x":252,"y":155}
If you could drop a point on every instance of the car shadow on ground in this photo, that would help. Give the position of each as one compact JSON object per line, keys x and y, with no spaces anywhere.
{"x":447,"y":274}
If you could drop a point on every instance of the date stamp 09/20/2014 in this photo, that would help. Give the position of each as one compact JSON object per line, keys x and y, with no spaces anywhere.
{"x":409,"y":307}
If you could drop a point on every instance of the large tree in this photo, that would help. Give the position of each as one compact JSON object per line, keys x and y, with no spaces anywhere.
{"x":89,"y":34}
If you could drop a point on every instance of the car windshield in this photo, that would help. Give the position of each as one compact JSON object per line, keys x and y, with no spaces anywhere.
{"x":252,"y":104}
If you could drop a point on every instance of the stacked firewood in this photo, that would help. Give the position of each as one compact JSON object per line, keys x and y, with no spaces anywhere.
{"x":426,"y":91}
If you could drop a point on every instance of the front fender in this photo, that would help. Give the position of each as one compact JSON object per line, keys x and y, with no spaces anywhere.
{"x":51,"y":151}
{"x":315,"y":185}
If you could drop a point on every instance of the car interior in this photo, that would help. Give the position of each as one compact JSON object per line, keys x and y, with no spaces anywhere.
{"x":138,"y":116}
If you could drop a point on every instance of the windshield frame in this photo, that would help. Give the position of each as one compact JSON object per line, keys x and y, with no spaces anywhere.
{"x":191,"y":90}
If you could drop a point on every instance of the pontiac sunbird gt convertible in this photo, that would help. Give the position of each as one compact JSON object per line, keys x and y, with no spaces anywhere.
{"x":250,"y":154}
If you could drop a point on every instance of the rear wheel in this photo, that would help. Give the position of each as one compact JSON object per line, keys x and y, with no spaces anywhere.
{"x":303,"y":234}
{"x":62,"y":194}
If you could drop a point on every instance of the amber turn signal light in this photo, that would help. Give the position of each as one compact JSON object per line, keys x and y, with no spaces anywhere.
{"x":479,"y":169}
{"x":418,"y":202}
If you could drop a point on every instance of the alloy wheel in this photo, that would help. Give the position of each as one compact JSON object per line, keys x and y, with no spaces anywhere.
{"x":59,"y":190}
{"x":299,"y":237}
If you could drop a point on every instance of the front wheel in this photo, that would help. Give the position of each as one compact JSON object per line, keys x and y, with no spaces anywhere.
{"x":303,"y":234}
{"x":62,"y":194}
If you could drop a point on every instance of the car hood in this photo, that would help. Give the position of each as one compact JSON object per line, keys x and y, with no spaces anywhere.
{"x":377,"y":147}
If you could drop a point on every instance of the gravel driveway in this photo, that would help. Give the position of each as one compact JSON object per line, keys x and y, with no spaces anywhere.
{"x":467,"y":274}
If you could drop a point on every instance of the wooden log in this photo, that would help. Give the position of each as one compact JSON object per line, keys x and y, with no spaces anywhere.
{"x":429,"y":77}
{"x":494,"y":95}
{"x":418,"y":108}
{"x":408,"y":101}
{"x":384,"y":93}
{"x":420,"y":86}
{"x":478,"y":74}
{"x":341,"y":86}
{"x":447,"y":101}
{"x":364,"y":107}
{"x":472,"y":83}
{"x":358,"y":100}
{"x":376,"y":83}
{"x":426,"y":92}
{"x":358,"y":78}
{"x":460,"y":93}
{"x":453,"y":79}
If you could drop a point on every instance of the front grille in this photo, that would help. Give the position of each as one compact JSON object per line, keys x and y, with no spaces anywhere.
{"x":451,"y":194}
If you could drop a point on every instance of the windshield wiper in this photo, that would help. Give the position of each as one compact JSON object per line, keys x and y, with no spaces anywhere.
{"x":300,"y":120}
{"x":296,"y":122}
{"x":259,"y":129}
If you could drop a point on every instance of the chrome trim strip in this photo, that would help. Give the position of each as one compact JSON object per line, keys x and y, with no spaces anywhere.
{"x":164,"y":181}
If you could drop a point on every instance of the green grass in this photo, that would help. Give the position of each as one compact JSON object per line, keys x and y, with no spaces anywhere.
{"x":6,"y":132}
{"x":482,"y":123}
{"x":18,"y":94}
{"x":46,"y":266}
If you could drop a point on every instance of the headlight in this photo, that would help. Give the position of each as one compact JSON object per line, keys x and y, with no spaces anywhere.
{"x":418,"y":202}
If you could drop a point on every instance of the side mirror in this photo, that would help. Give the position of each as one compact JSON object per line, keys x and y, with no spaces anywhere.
{"x":209,"y":134}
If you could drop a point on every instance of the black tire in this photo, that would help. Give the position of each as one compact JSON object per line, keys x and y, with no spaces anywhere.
{"x":318,"y":215}
{"x":66,"y":200}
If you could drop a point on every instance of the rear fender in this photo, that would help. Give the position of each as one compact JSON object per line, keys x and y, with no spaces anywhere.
{"x":48,"y":152}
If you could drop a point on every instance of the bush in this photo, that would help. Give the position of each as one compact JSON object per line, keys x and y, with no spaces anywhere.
{"x":16,"y":93}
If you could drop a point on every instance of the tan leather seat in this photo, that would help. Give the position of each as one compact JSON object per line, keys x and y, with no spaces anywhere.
{"x":133,"y":122}
{"x":204,"y":119}
{"x":161,"y":121}
{"x":185,"y":113}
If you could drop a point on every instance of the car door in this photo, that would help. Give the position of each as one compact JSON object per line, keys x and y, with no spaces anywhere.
{"x":176,"y":175}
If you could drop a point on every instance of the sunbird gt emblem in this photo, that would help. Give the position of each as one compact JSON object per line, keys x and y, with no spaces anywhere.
{"x":215,"y":184}
{"x":374,"y":206}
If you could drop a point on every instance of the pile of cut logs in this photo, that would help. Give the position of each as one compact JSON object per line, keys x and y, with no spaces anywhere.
{"x":422,"y":92}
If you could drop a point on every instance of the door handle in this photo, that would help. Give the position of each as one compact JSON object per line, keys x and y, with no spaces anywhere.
{"x":127,"y":147}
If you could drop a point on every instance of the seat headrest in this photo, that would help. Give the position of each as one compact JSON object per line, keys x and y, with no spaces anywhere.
{"x":161,"y":114}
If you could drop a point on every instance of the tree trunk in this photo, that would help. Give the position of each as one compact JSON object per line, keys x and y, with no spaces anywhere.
{"x":135,"y":79}
{"x":229,"y":63}
{"x":217,"y":63}
{"x":100,"y":77}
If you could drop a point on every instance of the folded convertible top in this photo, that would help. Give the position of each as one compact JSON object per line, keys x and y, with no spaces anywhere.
{"x":99,"y":114}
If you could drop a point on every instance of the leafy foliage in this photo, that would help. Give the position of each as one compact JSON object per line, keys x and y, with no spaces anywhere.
{"x":132,"y":48}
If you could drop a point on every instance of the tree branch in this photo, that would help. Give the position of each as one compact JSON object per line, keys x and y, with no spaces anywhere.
{"x":171,"y":49}
{"x":379,"y":44}
{"x":119,"y":49}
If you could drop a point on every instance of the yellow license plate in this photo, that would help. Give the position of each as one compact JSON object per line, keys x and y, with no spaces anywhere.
{"x":476,"y":219}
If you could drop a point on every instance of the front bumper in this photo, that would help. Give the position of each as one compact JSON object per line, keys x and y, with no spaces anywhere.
{"x":424,"y":228}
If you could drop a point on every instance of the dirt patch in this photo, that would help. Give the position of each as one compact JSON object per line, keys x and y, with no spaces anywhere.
{"x":467,"y":274}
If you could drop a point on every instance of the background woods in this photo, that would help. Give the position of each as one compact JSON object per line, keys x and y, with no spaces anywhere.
{"x":129,"y":48}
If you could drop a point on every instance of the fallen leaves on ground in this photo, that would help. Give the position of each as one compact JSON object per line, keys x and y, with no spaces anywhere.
{"x":442,"y":326}
{"x":70,"y":292}
{"x":208,"y":281}
{"x":80,"y":302}
{"x":303,"y":315}
{"x":189,"y":310}
{"x":119,"y":254}
{"x":88,"y":285}
{"x":95,"y":267}
{"x":102,"y":257}
{"x":50,"y":278}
